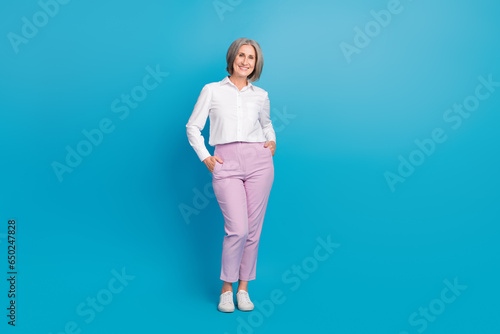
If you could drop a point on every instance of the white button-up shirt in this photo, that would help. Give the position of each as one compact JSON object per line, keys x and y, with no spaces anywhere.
{"x":234,"y":116}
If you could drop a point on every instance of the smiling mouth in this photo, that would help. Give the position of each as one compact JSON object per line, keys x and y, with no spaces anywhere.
{"x":243,"y":68}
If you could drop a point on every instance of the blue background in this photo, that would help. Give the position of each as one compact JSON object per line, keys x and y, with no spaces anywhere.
{"x":347,"y":124}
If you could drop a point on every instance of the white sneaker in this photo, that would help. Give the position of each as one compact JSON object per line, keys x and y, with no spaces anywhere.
{"x":226,"y":302}
{"x":244,"y":302}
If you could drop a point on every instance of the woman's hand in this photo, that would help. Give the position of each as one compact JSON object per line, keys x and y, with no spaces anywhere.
{"x":272,"y":146}
{"x":211,"y":161}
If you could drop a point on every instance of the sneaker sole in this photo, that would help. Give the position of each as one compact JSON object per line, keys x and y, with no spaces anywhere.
{"x":225,"y":311}
{"x":245,"y":310}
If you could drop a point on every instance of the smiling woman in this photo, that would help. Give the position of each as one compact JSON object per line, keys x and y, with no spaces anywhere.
{"x":236,"y":58}
{"x":242,"y":165}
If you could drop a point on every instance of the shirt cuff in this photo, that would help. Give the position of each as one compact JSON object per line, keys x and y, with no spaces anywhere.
{"x":204,"y":154}
{"x":271,"y":136}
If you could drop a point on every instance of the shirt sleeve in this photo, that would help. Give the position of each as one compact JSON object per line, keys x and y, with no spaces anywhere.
{"x":265,"y":120}
{"x":197,"y":122}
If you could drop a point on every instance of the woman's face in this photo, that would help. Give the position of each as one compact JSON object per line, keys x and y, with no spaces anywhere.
{"x":244,"y":63}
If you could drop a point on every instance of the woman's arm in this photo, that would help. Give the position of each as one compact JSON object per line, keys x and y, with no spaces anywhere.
{"x":265,"y":121}
{"x":197,"y":122}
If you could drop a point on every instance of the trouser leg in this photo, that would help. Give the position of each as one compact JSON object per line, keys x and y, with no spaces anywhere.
{"x":257,"y":188}
{"x":231,"y":196}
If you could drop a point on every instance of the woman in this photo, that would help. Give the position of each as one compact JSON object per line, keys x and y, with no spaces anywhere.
{"x":242,"y":165}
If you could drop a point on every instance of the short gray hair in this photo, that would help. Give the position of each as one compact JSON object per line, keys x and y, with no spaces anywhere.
{"x":233,"y":51}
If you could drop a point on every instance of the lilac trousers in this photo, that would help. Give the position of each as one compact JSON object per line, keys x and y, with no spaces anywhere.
{"x":242,"y":184}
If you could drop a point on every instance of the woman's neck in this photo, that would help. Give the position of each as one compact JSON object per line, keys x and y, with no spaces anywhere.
{"x":239,"y":82}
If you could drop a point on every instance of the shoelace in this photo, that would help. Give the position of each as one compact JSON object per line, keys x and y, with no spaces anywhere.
{"x":226,"y":298}
{"x":244,"y":298}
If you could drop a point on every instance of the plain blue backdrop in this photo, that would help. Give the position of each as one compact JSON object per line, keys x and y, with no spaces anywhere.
{"x":127,"y":237}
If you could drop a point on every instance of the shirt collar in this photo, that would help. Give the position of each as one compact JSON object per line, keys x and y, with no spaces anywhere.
{"x":227,"y":81}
